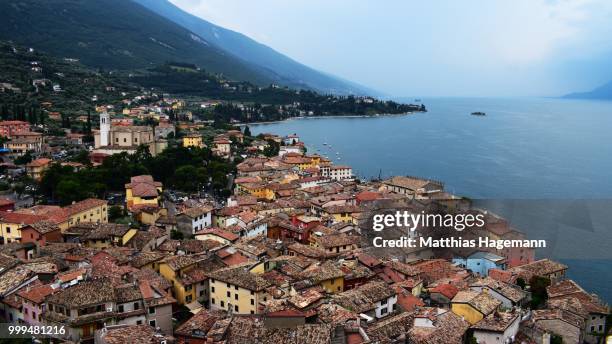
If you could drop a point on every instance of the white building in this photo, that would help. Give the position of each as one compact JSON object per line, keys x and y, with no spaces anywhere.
{"x":338,"y":172}
{"x":497,"y":328}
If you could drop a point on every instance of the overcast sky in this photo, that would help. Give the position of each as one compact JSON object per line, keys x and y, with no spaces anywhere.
{"x":434,"y":47}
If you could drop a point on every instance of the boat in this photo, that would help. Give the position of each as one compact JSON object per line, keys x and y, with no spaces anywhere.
{"x":478,"y":113}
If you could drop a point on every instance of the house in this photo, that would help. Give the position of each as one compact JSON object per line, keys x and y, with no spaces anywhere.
{"x":112,"y":139}
{"x":474,"y":306}
{"x":590,"y":307}
{"x":412,"y":186}
{"x":7,"y":204}
{"x":291,"y":140}
{"x":542,"y":268}
{"x":436,"y":325}
{"x":11,"y":224}
{"x":336,"y":243}
{"x":193,"y":140}
{"x":559,"y":321}
{"x":328,"y":274}
{"x":33,"y":302}
{"x":183,"y":273}
{"x":374,"y":299}
{"x":195,"y":329}
{"x":508,"y":294}
{"x":36,"y":168}
{"x":481,"y":262}
{"x":115,"y":334}
{"x":103,"y":235}
{"x":237,"y":289}
{"x":41,"y":233}
{"x":222,"y":147}
{"x":442,"y":294}
{"x":497,"y":328}
{"x":142,"y":190}
{"x":194,"y":219}
{"x":222,"y":236}
{"x":8,"y":128}
{"x":94,"y":304}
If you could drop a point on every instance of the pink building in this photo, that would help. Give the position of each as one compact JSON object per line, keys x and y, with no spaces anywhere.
{"x":34,"y":301}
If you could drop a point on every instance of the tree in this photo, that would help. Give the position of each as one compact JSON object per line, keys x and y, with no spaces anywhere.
{"x":247,"y":131}
{"x":538,"y":291}
{"x":69,"y":191}
{"x":114,"y":213}
{"x":176,"y":235}
{"x":272,"y":149}
{"x":24,"y":159}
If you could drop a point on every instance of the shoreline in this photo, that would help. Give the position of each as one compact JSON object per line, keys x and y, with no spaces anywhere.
{"x":329,"y":116}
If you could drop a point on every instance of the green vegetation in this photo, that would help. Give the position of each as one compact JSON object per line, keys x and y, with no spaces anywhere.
{"x":177,"y":167}
{"x":538,"y":291}
{"x":114,"y":34}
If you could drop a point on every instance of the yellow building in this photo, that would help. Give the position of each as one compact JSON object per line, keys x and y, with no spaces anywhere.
{"x":90,"y":210}
{"x":142,"y":190}
{"x":36,"y":168}
{"x":11,"y":224}
{"x":188,"y":276}
{"x":328,"y":275}
{"x":259,"y":190}
{"x":237,"y":289}
{"x":193,"y":140}
{"x":342,"y":213}
{"x":473,"y":306}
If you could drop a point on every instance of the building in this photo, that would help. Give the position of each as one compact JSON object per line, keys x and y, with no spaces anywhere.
{"x":222,"y":147}
{"x":413,"y":186}
{"x":474,"y":306}
{"x":41,"y":233}
{"x":117,"y":334}
{"x":143,"y":190}
{"x":237,"y":289}
{"x":23,"y":142}
{"x":194,"y":219}
{"x":112,"y":139}
{"x":193,"y":140}
{"x":9,"y":128}
{"x":481,"y":262}
{"x":497,"y":328}
{"x":36,"y":168}
{"x":373,"y":299}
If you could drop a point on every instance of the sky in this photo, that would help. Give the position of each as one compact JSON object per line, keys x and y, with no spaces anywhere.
{"x":434,"y":47}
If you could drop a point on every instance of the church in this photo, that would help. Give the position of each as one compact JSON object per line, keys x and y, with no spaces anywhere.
{"x":113,"y":139}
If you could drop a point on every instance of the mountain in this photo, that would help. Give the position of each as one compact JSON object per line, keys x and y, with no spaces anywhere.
{"x":253,"y":52}
{"x":601,"y":92}
{"x":117,"y":34}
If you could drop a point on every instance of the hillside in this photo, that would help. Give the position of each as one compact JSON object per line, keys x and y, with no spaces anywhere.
{"x":29,"y":79}
{"x":603,"y":92}
{"x":291,"y":72}
{"x":115,"y":34}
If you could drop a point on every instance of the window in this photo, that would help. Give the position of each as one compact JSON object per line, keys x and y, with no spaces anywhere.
{"x":151,"y":310}
{"x":228,"y":285}
{"x":136,"y":305}
{"x":236,"y":308}
{"x":252,"y":312}
{"x":252,"y":302}
{"x":188,"y":298}
{"x":222,"y":304}
{"x":188,"y":287}
{"x":212,"y":289}
{"x":139,"y":322}
{"x":236,"y":287}
{"x":236,"y":297}
{"x":229,"y":294}
{"x":120,"y":309}
{"x":202,"y":293}
{"x":8,"y":229}
{"x":152,"y":323}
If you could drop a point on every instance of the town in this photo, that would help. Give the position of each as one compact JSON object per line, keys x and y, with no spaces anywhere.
{"x":274,"y":249}
{"x":148,"y":221}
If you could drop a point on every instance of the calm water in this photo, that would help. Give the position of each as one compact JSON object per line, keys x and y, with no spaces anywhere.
{"x":530,"y":149}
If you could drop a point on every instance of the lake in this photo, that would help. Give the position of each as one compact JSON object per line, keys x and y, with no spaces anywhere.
{"x":524,"y":150}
